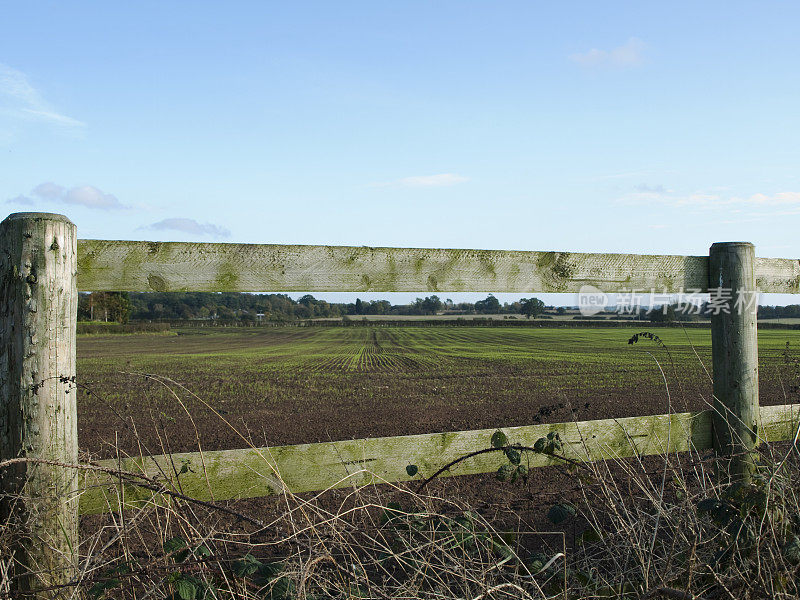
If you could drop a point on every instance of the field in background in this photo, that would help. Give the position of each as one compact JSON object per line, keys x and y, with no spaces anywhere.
{"x":292,"y":385}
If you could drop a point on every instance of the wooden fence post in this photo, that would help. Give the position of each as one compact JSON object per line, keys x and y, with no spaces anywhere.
{"x":38,"y":312}
{"x":734,"y":347}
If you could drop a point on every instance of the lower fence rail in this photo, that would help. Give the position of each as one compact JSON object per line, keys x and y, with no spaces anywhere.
{"x":255,"y":472}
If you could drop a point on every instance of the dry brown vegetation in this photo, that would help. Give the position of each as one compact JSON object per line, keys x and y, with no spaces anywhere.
{"x":666,"y":526}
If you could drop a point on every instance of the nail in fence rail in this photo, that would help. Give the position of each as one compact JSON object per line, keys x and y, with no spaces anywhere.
{"x":43,"y":266}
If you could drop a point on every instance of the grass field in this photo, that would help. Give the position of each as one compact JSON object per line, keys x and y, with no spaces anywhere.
{"x":292,"y":385}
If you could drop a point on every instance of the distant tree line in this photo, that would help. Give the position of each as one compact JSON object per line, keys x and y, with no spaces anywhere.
{"x":229,"y":307}
{"x":779,"y":312}
{"x":676,"y":312}
{"x":170,"y":306}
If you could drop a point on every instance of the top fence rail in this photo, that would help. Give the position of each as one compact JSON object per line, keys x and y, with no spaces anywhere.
{"x":107,"y":265}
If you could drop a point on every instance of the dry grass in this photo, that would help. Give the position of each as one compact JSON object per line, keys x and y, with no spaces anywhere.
{"x":661,"y":527}
{"x":665,"y":526}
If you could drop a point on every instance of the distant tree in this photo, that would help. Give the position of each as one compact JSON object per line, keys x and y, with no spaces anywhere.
{"x":431,"y":305}
{"x":380,"y":307}
{"x":359,"y":306}
{"x":117,"y":306}
{"x":531,"y":307}
{"x":662,"y":314}
{"x":489,"y":306}
{"x":84,"y":306}
{"x":308,"y":300}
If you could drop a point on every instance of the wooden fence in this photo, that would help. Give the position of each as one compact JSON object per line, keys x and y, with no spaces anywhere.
{"x":44,"y":265}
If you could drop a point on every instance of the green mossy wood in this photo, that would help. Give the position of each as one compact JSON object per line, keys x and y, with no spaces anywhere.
{"x":255,"y":472}
{"x":198,"y":267}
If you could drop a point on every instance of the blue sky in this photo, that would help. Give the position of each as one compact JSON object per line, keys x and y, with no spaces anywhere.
{"x":583,"y":126}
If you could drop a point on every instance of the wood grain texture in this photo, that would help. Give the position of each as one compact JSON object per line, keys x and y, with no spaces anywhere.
{"x":38,"y":418}
{"x":258,"y":472}
{"x":734,"y":350}
{"x":184,"y":266}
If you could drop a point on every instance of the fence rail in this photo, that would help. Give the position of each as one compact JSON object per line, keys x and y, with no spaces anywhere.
{"x":255,"y":472}
{"x":43,"y":264}
{"x":105,"y":265}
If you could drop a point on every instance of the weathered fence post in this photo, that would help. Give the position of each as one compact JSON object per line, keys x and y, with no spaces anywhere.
{"x":734,"y":347}
{"x":38,"y":311}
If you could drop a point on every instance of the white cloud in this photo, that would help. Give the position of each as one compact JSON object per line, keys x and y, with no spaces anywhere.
{"x":191,"y":226}
{"x":629,"y":54}
{"x":53,"y":117}
{"x":440,"y":180}
{"x":645,"y":195}
{"x":49,"y":191}
{"x":84,"y":195}
{"x":656,"y":189}
{"x":21,"y":100}
{"x":23,"y":200}
{"x":782,"y":198}
{"x":91,"y":197}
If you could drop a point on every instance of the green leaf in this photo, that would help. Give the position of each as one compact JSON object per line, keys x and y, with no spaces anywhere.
{"x":514,"y":456}
{"x":186,"y":588}
{"x":282,"y":589}
{"x":356,"y":591}
{"x":98,"y":590}
{"x":177,"y":548}
{"x":583,"y":578}
{"x":708,"y":504}
{"x":267,"y":572}
{"x":412,"y":470}
{"x":501,"y":548}
{"x":173,"y":544}
{"x":792,"y":551}
{"x":589,"y":535}
{"x":523,"y":471}
{"x":499,"y":439}
{"x":720,"y":511}
{"x":540,"y":445}
{"x":504,"y":472}
{"x":536,"y":563}
{"x":559,"y":513}
{"x":202,"y":551}
{"x":247,"y":565}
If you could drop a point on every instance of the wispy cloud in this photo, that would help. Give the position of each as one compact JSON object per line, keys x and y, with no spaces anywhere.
{"x":190,"y":226}
{"x":22,"y":200}
{"x":19,"y":99}
{"x":779,"y":198}
{"x":83,"y":195}
{"x":755,"y":205}
{"x":416,"y":181}
{"x":629,"y":54}
{"x":91,"y":197}
{"x":657,"y":189}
